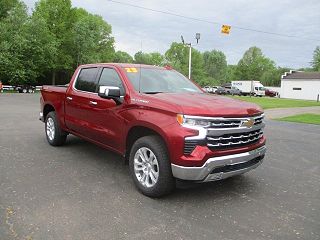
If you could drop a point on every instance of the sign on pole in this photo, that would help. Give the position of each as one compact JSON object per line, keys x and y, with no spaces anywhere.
{"x":225,"y":29}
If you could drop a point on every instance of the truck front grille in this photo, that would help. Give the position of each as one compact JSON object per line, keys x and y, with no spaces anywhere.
{"x":234,"y":139}
{"x":228,"y":133}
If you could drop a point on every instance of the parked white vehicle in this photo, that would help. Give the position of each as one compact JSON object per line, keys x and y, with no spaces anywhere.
{"x":248,"y":87}
{"x":209,"y":89}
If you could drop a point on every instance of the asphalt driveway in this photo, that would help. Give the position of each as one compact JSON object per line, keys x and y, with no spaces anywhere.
{"x":285,"y":112}
{"x":80,"y":191}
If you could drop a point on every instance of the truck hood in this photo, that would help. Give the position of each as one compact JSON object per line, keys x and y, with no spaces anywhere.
{"x":208,"y":105}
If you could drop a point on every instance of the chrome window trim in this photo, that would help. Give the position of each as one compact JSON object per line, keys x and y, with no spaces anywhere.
{"x":92,"y":93}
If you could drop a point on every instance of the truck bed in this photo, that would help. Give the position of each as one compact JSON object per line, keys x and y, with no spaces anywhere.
{"x":55,"y":96}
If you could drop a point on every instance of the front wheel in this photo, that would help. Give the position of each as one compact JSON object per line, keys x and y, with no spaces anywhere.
{"x":54,"y":134}
{"x":150,"y":167}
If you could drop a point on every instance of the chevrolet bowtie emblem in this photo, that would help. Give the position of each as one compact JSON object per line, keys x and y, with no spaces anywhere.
{"x":248,"y":123}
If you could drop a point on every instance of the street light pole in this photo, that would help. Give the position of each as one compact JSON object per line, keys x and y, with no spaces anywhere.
{"x":190,"y":51}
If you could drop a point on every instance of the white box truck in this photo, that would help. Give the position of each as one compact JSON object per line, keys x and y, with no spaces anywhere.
{"x":248,"y":87}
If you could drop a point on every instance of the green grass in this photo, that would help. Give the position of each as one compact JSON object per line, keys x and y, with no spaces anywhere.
{"x":303,"y":118}
{"x":8,"y":91}
{"x":14,"y":91}
{"x":268,"y":102}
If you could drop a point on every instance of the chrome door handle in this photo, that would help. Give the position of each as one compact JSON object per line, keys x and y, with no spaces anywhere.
{"x":93,"y":103}
{"x":69,"y":98}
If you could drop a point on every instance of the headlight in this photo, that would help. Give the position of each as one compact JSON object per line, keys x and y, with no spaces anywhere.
{"x":192,"y":121}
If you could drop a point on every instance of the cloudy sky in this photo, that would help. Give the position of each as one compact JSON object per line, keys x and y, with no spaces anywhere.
{"x":135,"y":29}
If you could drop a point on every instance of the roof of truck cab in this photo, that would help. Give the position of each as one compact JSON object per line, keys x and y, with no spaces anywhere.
{"x":122,"y":65}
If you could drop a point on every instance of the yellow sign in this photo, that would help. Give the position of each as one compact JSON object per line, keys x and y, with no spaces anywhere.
{"x":225,"y":29}
{"x":131,"y":70}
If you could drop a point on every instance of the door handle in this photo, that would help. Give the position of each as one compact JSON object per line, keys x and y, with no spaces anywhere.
{"x":69,"y":98}
{"x":93,"y":103}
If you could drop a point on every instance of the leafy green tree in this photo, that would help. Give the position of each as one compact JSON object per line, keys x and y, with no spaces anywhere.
{"x":253,"y":64}
{"x":24,"y":53}
{"x":141,"y":58}
{"x":272,"y":77}
{"x":10,"y":28}
{"x":231,"y":73}
{"x":178,"y":57}
{"x":59,"y":19}
{"x":306,"y":69}
{"x":149,"y":58}
{"x":215,"y":65}
{"x":6,"y":6}
{"x":92,"y":38}
{"x":157,"y":59}
{"x":316,"y":59}
{"x":123,"y":57}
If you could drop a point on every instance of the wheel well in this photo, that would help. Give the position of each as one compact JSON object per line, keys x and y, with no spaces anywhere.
{"x":47,"y":108}
{"x":136,"y":133}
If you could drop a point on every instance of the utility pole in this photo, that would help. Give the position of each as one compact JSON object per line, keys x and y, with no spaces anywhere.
{"x":190,"y":51}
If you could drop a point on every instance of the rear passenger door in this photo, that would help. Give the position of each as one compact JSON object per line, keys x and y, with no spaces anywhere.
{"x":77,"y":102}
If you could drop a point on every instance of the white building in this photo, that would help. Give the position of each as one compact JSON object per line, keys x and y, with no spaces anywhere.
{"x":300,"y":85}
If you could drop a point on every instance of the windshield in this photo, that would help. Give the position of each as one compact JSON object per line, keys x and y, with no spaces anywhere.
{"x":157,"y":80}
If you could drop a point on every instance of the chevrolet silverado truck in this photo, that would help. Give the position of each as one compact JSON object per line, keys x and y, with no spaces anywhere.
{"x":163,"y":124}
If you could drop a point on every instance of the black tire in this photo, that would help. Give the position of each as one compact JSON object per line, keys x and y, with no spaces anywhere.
{"x":59,"y":136}
{"x":166,"y":182}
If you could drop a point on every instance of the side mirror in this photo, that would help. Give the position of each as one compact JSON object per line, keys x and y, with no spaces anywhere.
{"x":109,"y":92}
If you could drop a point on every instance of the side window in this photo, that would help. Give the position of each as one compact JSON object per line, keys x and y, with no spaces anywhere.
{"x":109,"y":77}
{"x":87,"y":80}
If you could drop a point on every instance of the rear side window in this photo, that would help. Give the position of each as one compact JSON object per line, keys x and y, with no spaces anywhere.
{"x":87,"y":80}
{"x":109,"y":77}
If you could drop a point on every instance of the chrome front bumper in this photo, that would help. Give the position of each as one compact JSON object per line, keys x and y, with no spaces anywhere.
{"x":218,"y":168}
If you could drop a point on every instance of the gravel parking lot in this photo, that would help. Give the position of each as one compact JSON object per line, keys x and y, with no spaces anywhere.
{"x":80,"y":191}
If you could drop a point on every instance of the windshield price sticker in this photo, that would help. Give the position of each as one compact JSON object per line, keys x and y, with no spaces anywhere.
{"x":131,"y":70}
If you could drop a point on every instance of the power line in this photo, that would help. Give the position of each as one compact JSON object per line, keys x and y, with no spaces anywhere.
{"x":212,"y":22}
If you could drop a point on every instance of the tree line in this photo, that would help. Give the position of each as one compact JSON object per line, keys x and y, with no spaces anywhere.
{"x":48,"y":44}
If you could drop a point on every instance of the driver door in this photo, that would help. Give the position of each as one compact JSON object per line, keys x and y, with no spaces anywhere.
{"x":104,"y":114}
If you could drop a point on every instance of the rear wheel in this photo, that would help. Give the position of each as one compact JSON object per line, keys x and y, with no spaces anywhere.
{"x":54,"y":134}
{"x":150,"y":167}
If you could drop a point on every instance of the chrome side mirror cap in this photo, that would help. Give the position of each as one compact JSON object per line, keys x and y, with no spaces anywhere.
{"x":109,"y":92}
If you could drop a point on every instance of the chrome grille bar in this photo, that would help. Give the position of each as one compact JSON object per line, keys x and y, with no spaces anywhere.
{"x":235,"y":143}
{"x":235,"y":137}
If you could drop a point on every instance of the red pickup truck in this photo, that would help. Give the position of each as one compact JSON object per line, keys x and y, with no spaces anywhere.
{"x":163,"y":124}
